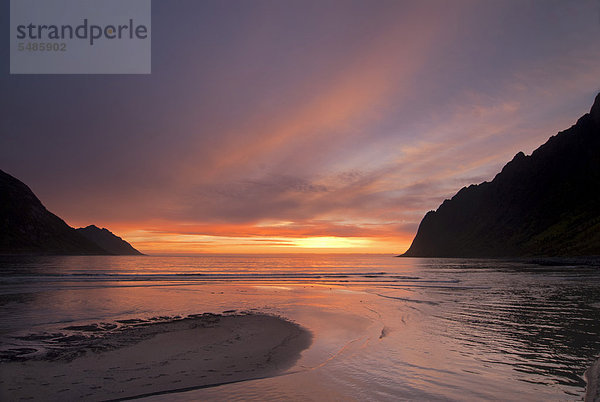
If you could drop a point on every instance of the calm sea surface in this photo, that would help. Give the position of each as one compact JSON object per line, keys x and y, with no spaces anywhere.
{"x":384,"y":328}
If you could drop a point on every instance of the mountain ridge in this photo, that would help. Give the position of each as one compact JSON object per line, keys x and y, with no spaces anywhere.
{"x":544,"y":204}
{"x":27,"y":227}
{"x":108,"y":240}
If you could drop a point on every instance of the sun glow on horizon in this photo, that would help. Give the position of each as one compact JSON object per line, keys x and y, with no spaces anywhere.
{"x":333,"y":242}
{"x":161,"y":242}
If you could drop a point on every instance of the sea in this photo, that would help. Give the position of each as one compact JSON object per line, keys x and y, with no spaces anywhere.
{"x":384,"y":328}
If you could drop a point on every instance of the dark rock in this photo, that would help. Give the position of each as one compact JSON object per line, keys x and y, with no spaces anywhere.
{"x":27,"y":227}
{"x":108,"y":241}
{"x":545,"y":204}
{"x":595,"y":112}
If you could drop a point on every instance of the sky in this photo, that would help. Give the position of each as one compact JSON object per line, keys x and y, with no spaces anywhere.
{"x":299,"y":126}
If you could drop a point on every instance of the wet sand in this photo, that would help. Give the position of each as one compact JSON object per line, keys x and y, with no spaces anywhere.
{"x":148,"y":358}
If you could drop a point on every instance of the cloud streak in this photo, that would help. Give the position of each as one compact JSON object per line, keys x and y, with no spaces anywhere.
{"x":267,"y":123}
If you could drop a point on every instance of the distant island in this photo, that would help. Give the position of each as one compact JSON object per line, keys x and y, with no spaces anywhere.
{"x":546,"y":204}
{"x":27,"y":227}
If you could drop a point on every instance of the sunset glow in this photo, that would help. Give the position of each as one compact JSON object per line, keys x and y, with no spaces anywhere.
{"x":177,"y":243}
{"x":298,"y":127}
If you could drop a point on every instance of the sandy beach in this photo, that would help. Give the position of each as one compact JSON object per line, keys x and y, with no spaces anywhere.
{"x":146,"y":358}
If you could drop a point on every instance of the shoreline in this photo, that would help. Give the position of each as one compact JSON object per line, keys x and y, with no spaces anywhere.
{"x":583,"y":260}
{"x":145,"y":358}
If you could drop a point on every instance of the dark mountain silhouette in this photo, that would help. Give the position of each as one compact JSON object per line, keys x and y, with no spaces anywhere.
{"x":546,"y":204}
{"x":108,"y":241}
{"x":27,"y":227}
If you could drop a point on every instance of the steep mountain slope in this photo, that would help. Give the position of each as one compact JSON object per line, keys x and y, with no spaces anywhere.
{"x":546,"y":204}
{"x":27,"y":227}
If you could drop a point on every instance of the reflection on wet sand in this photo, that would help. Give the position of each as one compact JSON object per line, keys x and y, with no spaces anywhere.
{"x":382,"y":327}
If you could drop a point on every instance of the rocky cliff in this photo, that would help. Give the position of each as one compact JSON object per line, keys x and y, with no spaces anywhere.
{"x":545,"y":204}
{"x":27,"y":227}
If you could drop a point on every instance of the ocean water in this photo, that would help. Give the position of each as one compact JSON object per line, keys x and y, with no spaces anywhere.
{"x":384,"y":328}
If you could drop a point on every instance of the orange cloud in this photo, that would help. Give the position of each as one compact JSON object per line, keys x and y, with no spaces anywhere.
{"x":345,"y":157}
{"x":264,"y":238}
